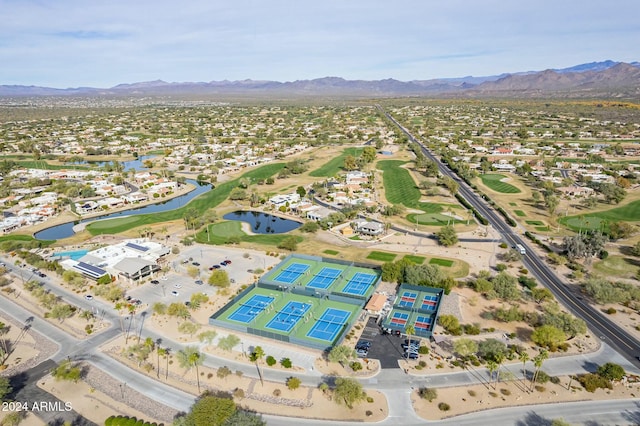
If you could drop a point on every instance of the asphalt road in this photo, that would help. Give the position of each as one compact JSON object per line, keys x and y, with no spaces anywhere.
{"x":602,"y":326}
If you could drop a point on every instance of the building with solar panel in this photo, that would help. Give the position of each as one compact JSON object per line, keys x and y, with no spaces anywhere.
{"x":129,"y":260}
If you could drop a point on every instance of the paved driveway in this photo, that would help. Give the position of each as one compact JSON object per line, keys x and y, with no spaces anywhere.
{"x":384,"y":347}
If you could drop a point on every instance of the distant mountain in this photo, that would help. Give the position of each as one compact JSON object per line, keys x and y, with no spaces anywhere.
{"x":601,"y":79}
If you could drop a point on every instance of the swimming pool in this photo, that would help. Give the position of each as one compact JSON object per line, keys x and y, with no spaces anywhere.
{"x":74,"y":254}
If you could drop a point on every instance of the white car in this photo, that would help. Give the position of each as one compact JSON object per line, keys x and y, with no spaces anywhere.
{"x":177,"y":285}
{"x":88,"y":297}
{"x":164,"y":278}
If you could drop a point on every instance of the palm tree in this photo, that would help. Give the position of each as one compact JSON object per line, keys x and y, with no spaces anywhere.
{"x":538,"y":360}
{"x":492,"y":366}
{"x":191,"y":357}
{"x":409,"y":331}
{"x":523,"y":357}
{"x":499,"y":361}
{"x":256,"y":356}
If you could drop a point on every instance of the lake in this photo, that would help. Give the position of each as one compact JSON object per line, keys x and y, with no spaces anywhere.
{"x":264,"y":223}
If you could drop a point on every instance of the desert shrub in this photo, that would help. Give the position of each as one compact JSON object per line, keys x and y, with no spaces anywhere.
{"x":472,"y":329}
{"x":428,"y":393}
{"x":505,"y":392}
{"x":590,"y":382}
{"x":471,"y":393}
{"x":493,"y":394}
{"x":555,"y":380}
{"x":542,"y":377}
{"x":286,"y":363}
{"x":238,"y":393}
{"x":422,"y":364}
{"x":611,"y":371}
{"x":540,"y":388}
{"x":369,"y":413}
{"x":271,"y":361}
{"x":443,"y":406}
{"x":611,"y":311}
{"x":423,"y":350}
{"x":370,"y":399}
{"x":277,"y":392}
{"x":356,"y":366}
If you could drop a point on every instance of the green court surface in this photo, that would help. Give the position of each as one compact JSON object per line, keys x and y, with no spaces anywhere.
{"x":306,"y":300}
{"x":418,"y":260}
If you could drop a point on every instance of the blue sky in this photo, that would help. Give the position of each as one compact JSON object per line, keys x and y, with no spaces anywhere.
{"x":101,"y":43}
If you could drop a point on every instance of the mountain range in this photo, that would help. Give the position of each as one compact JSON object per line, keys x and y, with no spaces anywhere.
{"x":607,"y":79}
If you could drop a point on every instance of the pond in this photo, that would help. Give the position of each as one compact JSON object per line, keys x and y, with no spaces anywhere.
{"x":136,"y":164}
{"x":264,"y":223}
{"x":65,"y":230}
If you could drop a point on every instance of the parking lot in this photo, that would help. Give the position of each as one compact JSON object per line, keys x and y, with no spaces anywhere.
{"x":384,"y":347}
{"x":177,"y":286}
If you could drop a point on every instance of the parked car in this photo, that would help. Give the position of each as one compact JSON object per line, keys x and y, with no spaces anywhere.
{"x":214,"y":267}
{"x":362,"y":353}
{"x":177,"y":285}
{"x":154,"y":282}
{"x":88,"y":297}
{"x":199,"y":282}
{"x":174,"y":293}
{"x":195,"y":263}
{"x":411,"y":355}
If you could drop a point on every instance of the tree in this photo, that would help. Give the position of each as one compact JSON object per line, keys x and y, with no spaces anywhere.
{"x":66,"y":371}
{"x":191,"y":357}
{"x":198,"y":299}
{"x":548,"y":336}
{"x":465,"y":347}
{"x":491,"y":349}
{"x":621,"y":230}
{"x":189,"y":328}
{"x":207,"y":337}
{"x":506,"y":286}
{"x":538,"y":360}
{"x":219,"y":278}
{"x":238,"y":194}
{"x":635,"y":250}
{"x":311,"y":227}
{"x":5,"y":387}
{"x":428,"y":393}
{"x":409,"y":330}
{"x":301,"y":191}
{"x":541,"y":294}
{"x":210,"y":410}
{"x":341,"y":354}
{"x":244,"y":418}
{"x":551,"y":202}
{"x":178,"y":310}
{"x":61,"y":311}
{"x":451,"y":185}
{"x":523,"y":357}
{"x":293,"y":383}
{"x":611,"y":371}
{"x":4,"y":330}
{"x":447,"y":236}
{"x":492,"y":366}
{"x":348,"y":391}
{"x":229,"y":342}
{"x":257,"y":354}
{"x":289,"y":243}
{"x":369,"y":154}
{"x":350,"y":163}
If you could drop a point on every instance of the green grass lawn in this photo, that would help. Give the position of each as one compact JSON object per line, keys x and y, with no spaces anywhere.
{"x":220,"y":232}
{"x":441,"y":262}
{"x":382,"y":256}
{"x":201,"y":203}
{"x":627,"y":213}
{"x":493,"y":181}
{"x":542,"y":228}
{"x":331,"y":252}
{"x":513,"y":204}
{"x":41,"y":164}
{"x":335,"y":166}
{"x":418,"y":260}
{"x":399,"y":186}
{"x":534,"y":222}
{"x":519,"y":213}
{"x":25,"y":238}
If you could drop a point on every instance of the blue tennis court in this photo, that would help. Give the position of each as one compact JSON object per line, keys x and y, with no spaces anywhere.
{"x":291,"y":273}
{"x":422,"y":323}
{"x":408,"y":299}
{"x":359,"y":283}
{"x":289,"y":316}
{"x":324,"y":278}
{"x":250,"y":309}
{"x":429,"y":302}
{"x":329,"y":324}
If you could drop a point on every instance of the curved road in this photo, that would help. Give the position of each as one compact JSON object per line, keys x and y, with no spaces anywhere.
{"x":604,"y":328}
